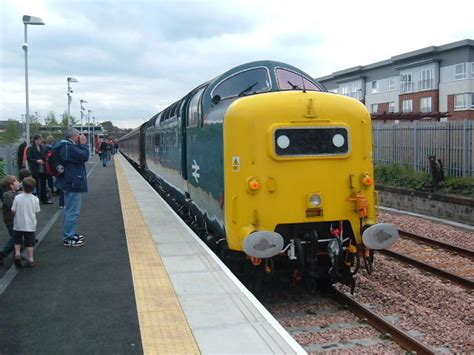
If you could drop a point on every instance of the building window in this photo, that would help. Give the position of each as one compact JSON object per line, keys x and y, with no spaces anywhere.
{"x":407,"y":105}
{"x":391,"y":106}
{"x":425,"y":104}
{"x":374,"y":108}
{"x":460,"y":102}
{"x":407,"y":83}
{"x":472,"y":70}
{"x":426,"y":82}
{"x":460,"y":71}
{"x":464,"y":102}
{"x":375,"y":87}
{"x":392,"y":84}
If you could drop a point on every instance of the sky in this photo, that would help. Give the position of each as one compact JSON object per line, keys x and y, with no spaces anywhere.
{"x":134,"y":58}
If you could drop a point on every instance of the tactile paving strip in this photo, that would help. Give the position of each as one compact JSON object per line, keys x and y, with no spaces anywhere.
{"x":163,"y":326}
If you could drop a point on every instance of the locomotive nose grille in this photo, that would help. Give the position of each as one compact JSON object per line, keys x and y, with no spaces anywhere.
{"x":311,"y":141}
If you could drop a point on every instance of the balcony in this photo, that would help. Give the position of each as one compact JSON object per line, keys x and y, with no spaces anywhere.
{"x":425,"y":85}
{"x":354,"y":94}
{"x":420,"y":85}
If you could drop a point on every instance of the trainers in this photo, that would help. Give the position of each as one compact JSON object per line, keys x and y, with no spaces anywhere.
{"x":18,"y":261}
{"x":78,"y":236}
{"x":31,"y":264}
{"x":73,"y":242}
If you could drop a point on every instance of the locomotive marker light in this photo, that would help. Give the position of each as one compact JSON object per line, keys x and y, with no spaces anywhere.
{"x":254,"y":184}
{"x":338,"y":140}
{"x":367,"y":180}
{"x":380,"y":236}
{"x":283,"y":142}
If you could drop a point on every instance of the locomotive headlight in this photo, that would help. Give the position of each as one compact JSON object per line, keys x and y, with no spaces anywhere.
{"x":314,"y":200}
{"x":253,"y":184}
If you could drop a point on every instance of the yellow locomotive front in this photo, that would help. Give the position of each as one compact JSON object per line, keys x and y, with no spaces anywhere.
{"x":299,"y":183}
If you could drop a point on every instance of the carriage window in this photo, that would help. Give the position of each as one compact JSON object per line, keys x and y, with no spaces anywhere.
{"x":194,"y":110}
{"x":289,"y":80}
{"x":244,"y":83}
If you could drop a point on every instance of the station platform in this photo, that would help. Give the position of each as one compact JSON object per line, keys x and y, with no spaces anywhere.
{"x":142,"y":283}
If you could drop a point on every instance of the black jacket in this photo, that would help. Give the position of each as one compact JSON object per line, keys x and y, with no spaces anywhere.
{"x":33,"y":155}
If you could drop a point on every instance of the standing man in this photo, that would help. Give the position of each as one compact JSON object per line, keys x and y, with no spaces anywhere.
{"x":74,"y":152}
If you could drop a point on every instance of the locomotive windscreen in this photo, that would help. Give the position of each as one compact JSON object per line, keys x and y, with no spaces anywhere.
{"x":311,"y":141}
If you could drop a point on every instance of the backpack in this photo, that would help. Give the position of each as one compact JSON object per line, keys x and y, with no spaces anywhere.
{"x":54,"y":164}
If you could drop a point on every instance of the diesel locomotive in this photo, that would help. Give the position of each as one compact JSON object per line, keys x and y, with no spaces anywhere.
{"x":269,"y":167}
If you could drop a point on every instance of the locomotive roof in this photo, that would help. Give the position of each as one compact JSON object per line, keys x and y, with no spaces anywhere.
{"x":211,"y":84}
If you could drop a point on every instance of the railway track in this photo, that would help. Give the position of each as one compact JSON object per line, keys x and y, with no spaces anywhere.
{"x":436,"y":243}
{"x":460,"y":280}
{"x":401,"y":337}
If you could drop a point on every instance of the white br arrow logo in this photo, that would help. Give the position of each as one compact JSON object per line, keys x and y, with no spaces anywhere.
{"x":195,"y":173}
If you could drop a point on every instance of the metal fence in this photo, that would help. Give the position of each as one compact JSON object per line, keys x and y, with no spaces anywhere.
{"x":410,"y":144}
{"x":8,"y":153}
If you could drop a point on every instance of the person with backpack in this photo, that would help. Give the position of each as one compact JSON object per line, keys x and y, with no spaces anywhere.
{"x":73,"y":152}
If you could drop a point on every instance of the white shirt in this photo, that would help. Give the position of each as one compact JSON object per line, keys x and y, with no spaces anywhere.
{"x":25,"y":206}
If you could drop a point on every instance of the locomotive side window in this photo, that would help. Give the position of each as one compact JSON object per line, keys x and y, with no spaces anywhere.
{"x":194,"y":111}
{"x":289,"y":80}
{"x":248,"y":82}
{"x":311,"y":141}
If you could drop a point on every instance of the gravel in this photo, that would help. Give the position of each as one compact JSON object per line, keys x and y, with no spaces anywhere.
{"x":441,"y":311}
{"x":426,"y":228}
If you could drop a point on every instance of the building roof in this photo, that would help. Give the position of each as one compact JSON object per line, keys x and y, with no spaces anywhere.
{"x":398,"y":58}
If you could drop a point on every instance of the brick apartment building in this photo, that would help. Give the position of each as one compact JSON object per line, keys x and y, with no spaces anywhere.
{"x":436,"y":82}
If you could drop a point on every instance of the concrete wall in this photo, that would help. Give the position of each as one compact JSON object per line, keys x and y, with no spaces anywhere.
{"x":453,"y":208}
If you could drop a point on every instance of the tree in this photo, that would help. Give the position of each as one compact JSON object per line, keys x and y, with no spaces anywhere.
{"x":72,"y":122}
{"x":50,"y":120}
{"x":12,"y":132}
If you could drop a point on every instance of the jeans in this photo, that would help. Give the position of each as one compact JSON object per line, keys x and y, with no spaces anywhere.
{"x":105,"y":157}
{"x":72,"y":209}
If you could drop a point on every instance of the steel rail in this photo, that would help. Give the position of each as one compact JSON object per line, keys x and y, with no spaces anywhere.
{"x":430,"y":268}
{"x":401,"y":337}
{"x":461,"y":251}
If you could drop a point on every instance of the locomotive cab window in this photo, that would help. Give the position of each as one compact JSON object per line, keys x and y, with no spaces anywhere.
{"x":194,"y":110}
{"x":289,"y":80}
{"x":327,"y":141}
{"x":247,"y":82}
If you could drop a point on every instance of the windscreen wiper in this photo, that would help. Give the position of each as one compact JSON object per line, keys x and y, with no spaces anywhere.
{"x":243,"y":92}
{"x":293,"y":87}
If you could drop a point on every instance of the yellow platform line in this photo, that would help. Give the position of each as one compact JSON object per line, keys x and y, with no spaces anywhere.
{"x":163,"y":326}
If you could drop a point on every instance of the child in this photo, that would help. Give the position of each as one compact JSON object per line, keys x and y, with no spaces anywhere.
{"x":11,"y":186}
{"x":24,"y":173}
{"x":25,"y":207}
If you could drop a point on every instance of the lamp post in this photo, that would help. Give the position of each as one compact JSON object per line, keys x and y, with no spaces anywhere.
{"x":82,"y":109}
{"x":93,"y":135}
{"x":28,"y":20}
{"x":89,"y":130}
{"x":69,"y":99}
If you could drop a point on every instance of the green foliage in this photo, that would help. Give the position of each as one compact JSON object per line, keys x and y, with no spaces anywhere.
{"x":12,"y":132}
{"x":459,"y":186}
{"x":50,"y":120}
{"x":402,"y":176}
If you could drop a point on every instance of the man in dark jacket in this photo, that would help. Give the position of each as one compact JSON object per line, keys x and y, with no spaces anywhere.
{"x":74,"y":152}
